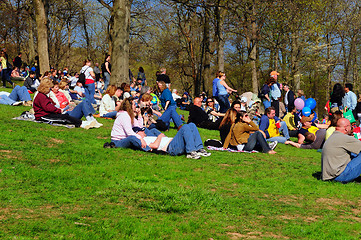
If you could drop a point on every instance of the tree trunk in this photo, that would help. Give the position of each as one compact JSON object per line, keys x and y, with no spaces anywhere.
{"x":295,"y":60}
{"x":220,"y":12}
{"x":42,"y":29}
{"x":120,"y":43}
{"x":207,"y":52}
{"x":329,"y":68}
{"x":31,"y":42}
{"x":253,"y":52}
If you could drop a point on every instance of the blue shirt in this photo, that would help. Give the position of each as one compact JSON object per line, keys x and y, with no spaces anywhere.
{"x":165,"y":97}
{"x":349,"y":100}
{"x":221,"y":89}
{"x":215,"y":89}
{"x":275,"y":91}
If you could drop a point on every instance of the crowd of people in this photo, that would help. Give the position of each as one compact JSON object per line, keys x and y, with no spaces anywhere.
{"x":246,"y":122}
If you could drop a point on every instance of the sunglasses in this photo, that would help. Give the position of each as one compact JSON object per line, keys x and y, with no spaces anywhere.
{"x":209,"y":101}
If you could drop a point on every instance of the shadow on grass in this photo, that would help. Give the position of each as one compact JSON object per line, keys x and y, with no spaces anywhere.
{"x":317,"y":175}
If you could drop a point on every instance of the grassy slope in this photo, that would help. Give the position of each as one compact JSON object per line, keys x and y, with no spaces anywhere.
{"x":60,"y":183}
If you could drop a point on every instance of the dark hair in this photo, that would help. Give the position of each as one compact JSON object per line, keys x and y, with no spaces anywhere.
{"x":31,"y":72}
{"x":141,"y":70}
{"x":309,"y":137}
{"x":268,"y":110}
{"x":106,"y":56}
{"x":240,"y":115}
{"x":337,"y":94}
{"x":349,"y":86}
{"x":235,"y":102}
{"x":335,"y":117}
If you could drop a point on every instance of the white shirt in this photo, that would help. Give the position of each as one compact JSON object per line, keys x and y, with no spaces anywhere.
{"x":107,"y":104}
{"x":163,"y":142}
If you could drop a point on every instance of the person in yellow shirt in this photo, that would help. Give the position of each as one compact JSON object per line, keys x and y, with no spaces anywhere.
{"x":292,"y":121}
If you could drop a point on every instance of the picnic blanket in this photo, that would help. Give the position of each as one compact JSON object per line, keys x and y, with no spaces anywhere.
{"x":27,"y":116}
{"x":229,"y":150}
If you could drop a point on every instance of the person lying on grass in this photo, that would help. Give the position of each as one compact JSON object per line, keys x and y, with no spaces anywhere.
{"x":46,"y":111}
{"x":186,"y":141}
{"x":246,"y":133}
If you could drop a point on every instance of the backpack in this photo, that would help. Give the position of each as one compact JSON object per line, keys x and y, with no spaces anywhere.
{"x":82,"y":77}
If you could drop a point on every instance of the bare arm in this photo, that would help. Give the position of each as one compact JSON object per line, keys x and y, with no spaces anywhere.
{"x":297,"y":145}
{"x":301,"y":138}
{"x":227,"y":87}
{"x":107,"y":67}
{"x":92,"y":74}
{"x":156,"y":143}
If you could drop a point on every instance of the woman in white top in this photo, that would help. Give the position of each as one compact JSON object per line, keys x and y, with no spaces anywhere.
{"x":89,"y":81}
{"x":108,"y":108}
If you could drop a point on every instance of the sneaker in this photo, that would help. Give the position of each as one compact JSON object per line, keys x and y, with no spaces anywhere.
{"x":193,"y":155}
{"x":202,"y":152}
{"x":87,"y":124}
{"x":106,"y":145}
{"x":17,"y":103}
{"x":97,"y":124}
{"x":273,"y":145}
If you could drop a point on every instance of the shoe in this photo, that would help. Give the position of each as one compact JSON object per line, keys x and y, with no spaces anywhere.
{"x":17,"y":103}
{"x":3,"y":87}
{"x":87,"y":124}
{"x":202,"y":152}
{"x":112,"y":145}
{"x":273,"y":145}
{"x":106,"y":145}
{"x":193,"y":155}
{"x":97,"y":124}
{"x":27,"y":103}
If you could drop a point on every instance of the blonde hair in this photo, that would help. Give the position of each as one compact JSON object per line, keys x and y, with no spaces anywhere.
{"x":111,"y":90}
{"x":63,"y":84}
{"x":45,"y":85}
{"x":229,"y":118}
{"x":162,"y":86}
{"x":146,"y":97}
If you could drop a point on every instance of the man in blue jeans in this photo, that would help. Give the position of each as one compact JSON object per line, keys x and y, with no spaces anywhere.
{"x":186,"y":141}
{"x":272,"y":125}
{"x":341,"y":158}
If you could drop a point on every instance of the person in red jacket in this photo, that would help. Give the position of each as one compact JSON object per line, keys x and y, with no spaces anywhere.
{"x":45,"y":109}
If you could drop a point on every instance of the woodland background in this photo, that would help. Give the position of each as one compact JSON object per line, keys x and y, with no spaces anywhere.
{"x":313,"y":44}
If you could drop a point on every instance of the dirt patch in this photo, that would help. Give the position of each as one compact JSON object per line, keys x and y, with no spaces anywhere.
{"x":54,"y":160}
{"x":99,"y":137}
{"x":58,"y":141}
{"x":254,"y":235}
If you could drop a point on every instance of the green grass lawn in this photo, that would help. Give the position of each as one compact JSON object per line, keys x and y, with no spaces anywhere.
{"x":59,"y":183}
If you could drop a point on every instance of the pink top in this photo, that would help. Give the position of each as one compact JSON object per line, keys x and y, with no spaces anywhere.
{"x":123,"y":128}
{"x":63,"y":101}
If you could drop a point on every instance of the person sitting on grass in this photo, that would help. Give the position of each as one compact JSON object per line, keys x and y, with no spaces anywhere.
{"x":186,"y":141}
{"x":29,"y":82}
{"x":169,"y":106}
{"x":313,"y":136}
{"x":245,"y":135}
{"x":19,"y":95}
{"x":123,"y":135}
{"x":108,"y":106}
{"x":341,"y":159}
{"x":292,"y":120}
{"x":200,"y":118}
{"x":270,"y":125}
{"x":46,"y":111}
